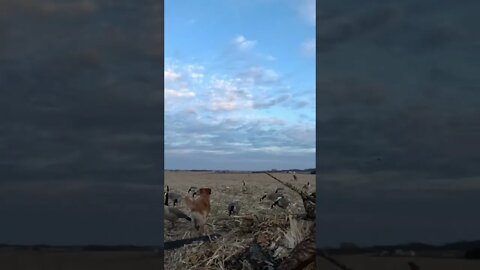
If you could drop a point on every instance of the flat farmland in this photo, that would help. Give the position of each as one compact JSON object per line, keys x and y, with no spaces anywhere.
{"x":226,"y":188}
{"x":366,"y":262}
{"x":71,"y":260}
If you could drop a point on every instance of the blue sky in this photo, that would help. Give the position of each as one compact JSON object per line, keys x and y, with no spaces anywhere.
{"x":239,"y":84}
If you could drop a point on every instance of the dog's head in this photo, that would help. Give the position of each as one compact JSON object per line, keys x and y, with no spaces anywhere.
{"x":205,"y":191}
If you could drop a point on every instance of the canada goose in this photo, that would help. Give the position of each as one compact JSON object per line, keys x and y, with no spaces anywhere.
{"x":282,"y":202}
{"x":294,"y":176}
{"x":175,"y":197}
{"x":193,"y":190}
{"x":233,"y":208}
{"x":172,"y":214}
{"x":244,"y":187}
{"x":272,"y":196}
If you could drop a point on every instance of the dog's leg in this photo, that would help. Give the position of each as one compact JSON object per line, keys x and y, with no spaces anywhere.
{"x":196,"y":224}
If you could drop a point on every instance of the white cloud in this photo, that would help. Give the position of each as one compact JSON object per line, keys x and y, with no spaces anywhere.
{"x":242,"y":51}
{"x":184,"y":93}
{"x":227,"y":96}
{"x":171,"y":76}
{"x":270,"y":58}
{"x":258,"y":76}
{"x":308,"y":47}
{"x":195,"y":72}
{"x":242,"y":44}
{"x":225,"y":105}
{"x":254,"y":88}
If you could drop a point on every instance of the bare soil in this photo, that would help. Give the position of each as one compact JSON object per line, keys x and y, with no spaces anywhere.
{"x":48,"y":260}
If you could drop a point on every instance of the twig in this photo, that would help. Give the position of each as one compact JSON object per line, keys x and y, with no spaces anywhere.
{"x":309,"y":201}
{"x":180,"y":243}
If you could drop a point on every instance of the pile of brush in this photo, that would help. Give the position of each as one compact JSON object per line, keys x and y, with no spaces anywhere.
{"x":262,"y":242}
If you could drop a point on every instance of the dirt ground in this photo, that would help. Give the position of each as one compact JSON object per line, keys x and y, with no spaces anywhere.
{"x":41,"y":260}
{"x":227,"y":187}
{"x":365,"y":262}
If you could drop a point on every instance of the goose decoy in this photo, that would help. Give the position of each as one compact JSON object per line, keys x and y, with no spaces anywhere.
{"x":172,"y":214}
{"x":233,"y":208}
{"x":193,"y":190}
{"x":272,"y":196}
{"x":244,"y":187}
{"x":175,"y":197}
{"x":295,"y":177}
{"x":282,"y":202}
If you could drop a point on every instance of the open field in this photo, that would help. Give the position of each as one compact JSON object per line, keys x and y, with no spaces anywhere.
{"x":365,"y":262}
{"x":49,"y":260}
{"x":237,"y":233}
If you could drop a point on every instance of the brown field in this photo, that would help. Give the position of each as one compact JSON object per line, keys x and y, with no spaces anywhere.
{"x":40,"y":260}
{"x":365,"y":262}
{"x":236,"y":234}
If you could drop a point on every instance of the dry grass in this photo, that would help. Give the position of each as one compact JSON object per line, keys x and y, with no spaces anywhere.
{"x":277,"y":231}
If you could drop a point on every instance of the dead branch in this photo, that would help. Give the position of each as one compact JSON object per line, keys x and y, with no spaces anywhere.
{"x":301,"y":256}
{"x":308,"y":200}
{"x":182,"y":242}
{"x":304,"y":253}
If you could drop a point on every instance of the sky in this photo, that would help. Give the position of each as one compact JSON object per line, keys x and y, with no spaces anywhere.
{"x":80,"y":129}
{"x":239,"y":91}
{"x":398,"y":122}
{"x":398,"y":113}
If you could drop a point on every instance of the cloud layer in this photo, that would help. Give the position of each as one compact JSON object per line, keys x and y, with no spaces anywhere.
{"x":80,"y":122}
{"x":244,"y":114}
{"x":397,"y":123}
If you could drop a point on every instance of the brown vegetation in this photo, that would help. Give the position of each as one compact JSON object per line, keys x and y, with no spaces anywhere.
{"x":255,"y":238}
